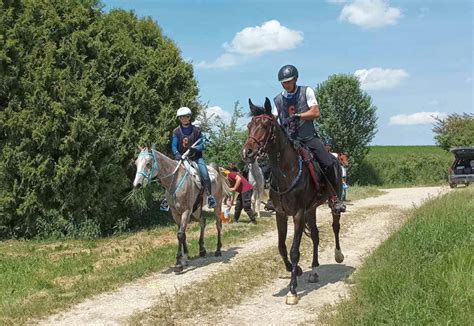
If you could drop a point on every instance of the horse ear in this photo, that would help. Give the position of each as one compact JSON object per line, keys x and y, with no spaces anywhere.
{"x":253,"y":108}
{"x":268,"y":106}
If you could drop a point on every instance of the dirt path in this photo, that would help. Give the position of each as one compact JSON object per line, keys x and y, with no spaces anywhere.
{"x":268,"y":305}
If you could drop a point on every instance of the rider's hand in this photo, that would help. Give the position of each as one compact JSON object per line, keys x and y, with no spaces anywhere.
{"x":291,"y":118}
{"x":178,"y":157}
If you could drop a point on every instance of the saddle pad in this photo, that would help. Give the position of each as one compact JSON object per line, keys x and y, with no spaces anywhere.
{"x":193,"y":170}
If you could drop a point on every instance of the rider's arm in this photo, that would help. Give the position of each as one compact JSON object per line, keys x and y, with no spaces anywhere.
{"x":200,"y":145}
{"x":313,"y":112}
{"x":174,"y":145}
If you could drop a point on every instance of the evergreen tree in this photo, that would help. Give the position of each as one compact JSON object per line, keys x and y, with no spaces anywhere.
{"x":79,"y":90}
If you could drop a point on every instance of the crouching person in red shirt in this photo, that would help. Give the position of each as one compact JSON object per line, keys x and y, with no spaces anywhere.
{"x":244,"y":200}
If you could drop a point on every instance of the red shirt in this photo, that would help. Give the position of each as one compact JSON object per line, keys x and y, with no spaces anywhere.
{"x":244,"y":184}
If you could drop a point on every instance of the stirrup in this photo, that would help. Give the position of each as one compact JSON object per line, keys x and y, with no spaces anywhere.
{"x":211,"y":201}
{"x":338,"y":207}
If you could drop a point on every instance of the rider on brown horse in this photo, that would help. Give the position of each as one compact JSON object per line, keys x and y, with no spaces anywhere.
{"x":297,"y":108}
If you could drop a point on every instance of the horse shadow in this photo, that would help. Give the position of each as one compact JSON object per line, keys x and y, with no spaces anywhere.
{"x":196,"y":262}
{"x":328,"y":274}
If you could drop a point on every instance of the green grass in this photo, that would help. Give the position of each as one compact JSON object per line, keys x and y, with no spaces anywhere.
{"x":405,"y":165}
{"x":40,"y":277}
{"x":424,"y":274}
{"x":357,"y":192}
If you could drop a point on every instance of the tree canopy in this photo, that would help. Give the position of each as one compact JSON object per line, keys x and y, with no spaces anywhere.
{"x":348,"y":117}
{"x":79,"y":90}
{"x":455,"y":130}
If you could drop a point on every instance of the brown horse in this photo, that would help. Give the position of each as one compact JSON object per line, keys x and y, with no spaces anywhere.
{"x":292,"y":190}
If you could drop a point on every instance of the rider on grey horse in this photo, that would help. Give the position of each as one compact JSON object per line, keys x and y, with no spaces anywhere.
{"x":184,"y":137}
{"x":297,"y":108}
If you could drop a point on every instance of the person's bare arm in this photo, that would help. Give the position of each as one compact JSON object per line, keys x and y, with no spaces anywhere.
{"x":311,"y":114}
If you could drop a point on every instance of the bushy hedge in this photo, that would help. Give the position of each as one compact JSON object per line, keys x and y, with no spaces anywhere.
{"x":79,"y":90}
{"x":404,"y":165}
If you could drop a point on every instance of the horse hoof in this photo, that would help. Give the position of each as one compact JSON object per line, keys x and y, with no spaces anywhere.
{"x":292,"y":299}
{"x":313,"y":278}
{"x":299,"y":271}
{"x":338,"y":256}
{"x":218,"y":253}
{"x":202,"y":253}
{"x":178,"y":268}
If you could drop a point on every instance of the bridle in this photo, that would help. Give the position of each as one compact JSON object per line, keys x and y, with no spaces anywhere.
{"x":262,"y":145}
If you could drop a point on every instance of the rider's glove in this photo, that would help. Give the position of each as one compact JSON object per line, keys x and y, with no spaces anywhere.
{"x":292,"y":118}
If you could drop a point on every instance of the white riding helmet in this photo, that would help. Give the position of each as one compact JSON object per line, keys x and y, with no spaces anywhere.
{"x":183,"y":111}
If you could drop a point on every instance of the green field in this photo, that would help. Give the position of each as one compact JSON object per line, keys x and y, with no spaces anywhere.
{"x":422,"y":275}
{"x":404,"y":166}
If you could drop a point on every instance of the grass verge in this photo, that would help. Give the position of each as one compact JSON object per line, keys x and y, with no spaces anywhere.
{"x":39,"y":277}
{"x":421,"y":275}
{"x":361,"y":192}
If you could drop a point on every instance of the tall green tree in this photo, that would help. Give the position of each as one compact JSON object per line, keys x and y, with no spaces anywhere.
{"x":348,"y":117}
{"x":79,"y":90}
{"x":454,"y":130}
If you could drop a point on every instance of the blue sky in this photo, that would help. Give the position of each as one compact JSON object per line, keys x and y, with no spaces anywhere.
{"x":414,"y":58}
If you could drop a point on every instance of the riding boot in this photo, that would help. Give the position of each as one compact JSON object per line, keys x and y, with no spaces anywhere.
{"x":336,"y":190}
{"x":211,"y":201}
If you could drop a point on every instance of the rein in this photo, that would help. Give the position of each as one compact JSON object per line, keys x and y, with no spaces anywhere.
{"x":295,"y":180}
{"x":262,"y":149}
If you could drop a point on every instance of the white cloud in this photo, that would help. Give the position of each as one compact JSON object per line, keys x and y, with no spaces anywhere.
{"x":370,"y":13}
{"x":379,"y":78}
{"x":418,"y":118}
{"x":224,"y":61}
{"x":271,"y":36}
{"x":217,"y":111}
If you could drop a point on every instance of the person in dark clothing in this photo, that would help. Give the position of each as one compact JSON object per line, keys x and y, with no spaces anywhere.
{"x":244,"y":199}
{"x":297,"y":107}
{"x":184,"y":137}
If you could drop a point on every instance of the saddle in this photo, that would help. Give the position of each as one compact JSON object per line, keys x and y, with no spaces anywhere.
{"x":193,"y":170}
{"x":310,"y":161}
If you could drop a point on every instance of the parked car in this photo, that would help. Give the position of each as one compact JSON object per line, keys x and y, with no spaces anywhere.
{"x":462,"y":169}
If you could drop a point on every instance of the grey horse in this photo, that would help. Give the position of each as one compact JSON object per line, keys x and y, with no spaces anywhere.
{"x":184,"y":196}
{"x":257,"y":181}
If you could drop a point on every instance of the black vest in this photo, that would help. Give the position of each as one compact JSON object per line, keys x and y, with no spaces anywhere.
{"x":297,"y":104}
{"x":186,"y":141}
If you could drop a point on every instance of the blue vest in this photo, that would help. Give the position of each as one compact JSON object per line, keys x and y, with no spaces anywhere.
{"x":297,"y":104}
{"x":186,"y":141}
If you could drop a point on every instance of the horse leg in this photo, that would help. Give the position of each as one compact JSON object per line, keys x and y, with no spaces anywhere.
{"x":299,"y":223}
{"x":202,"y":224}
{"x":282,"y":227}
{"x":181,"y":256}
{"x":313,"y":228}
{"x":338,"y":256}
{"x":257,"y":203}
{"x":217,"y":213}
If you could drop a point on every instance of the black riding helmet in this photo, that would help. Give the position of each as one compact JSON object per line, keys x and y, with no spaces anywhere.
{"x":287,"y":73}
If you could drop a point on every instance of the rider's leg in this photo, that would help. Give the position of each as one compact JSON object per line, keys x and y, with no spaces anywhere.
{"x":211,"y":202}
{"x":330,"y":166}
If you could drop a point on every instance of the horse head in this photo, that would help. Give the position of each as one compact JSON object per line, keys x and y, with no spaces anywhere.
{"x":261,"y":131}
{"x":147,"y":167}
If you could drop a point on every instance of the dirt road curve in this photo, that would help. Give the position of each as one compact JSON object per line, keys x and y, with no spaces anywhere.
{"x":377,"y":217}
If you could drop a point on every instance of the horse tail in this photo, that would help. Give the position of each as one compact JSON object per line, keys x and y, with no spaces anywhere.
{"x":222,"y":181}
